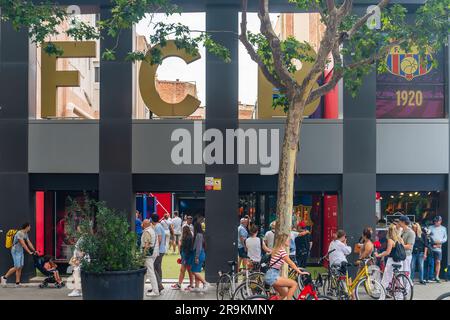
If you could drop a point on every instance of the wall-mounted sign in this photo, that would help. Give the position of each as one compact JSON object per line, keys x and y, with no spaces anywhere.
{"x":217,"y":184}
{"x":412,"y":87}
{"x":213,"y":184}
{"x":51,"y":79}
{"x":267,"y":93}
{"x":209,"y":183}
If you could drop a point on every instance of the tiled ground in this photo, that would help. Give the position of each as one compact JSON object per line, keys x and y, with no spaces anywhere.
{"x":33,"y":292}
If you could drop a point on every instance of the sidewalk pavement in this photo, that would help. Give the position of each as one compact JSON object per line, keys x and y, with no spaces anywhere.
{"x":32,"y":291}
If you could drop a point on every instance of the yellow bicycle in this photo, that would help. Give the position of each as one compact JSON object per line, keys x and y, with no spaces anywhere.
{"x":339,"y":284}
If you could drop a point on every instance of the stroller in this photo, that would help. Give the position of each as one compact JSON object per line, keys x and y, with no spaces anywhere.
{"x":39,"y":262}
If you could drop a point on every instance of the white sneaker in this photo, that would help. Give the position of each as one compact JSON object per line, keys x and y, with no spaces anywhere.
{"x":206,"y":286}
{"x":152,"y":294}
{"x":196,"y":289}
{"x":3,"y":282}
{"x":74,"y":293}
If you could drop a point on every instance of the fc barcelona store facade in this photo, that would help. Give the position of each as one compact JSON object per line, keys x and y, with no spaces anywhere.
{"x":386,"y":149}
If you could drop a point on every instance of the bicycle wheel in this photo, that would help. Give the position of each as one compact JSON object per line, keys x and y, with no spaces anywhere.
{"x":326,"y":286}
{"x":224,"y":288}
{"x":258,"y":297}
{"x":257,"y":277}
{"x":375,"y":272}
{"x":369,"y":289}
{"x":322,"y":297}
{"x":247,"y":289}
{"x":402,"y":288}
{"x":445,"y":296}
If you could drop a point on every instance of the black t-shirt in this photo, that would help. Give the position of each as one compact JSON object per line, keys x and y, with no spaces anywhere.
{"x":420,"y":244}
{"x":302,"y":243}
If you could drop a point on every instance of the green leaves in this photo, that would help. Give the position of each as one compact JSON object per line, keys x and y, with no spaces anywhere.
{"x":106,"y":237}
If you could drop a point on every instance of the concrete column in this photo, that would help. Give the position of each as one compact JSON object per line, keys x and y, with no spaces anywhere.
{"x":222,"y":113}
{"x":116,"y":98}
{"x":359,"y":174}
{"x":15,"y":196}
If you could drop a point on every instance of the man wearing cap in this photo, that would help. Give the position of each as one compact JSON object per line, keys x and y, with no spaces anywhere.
{"x":438,"y":235}
{"x":409,"y":238}
{"x":303,"y":244}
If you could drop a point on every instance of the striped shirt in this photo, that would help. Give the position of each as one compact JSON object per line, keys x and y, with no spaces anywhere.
{"x":276,"y":262}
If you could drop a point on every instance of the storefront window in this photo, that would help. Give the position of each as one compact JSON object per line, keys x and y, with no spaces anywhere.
{"x":420,"y":207}
{"x":52,"y":208}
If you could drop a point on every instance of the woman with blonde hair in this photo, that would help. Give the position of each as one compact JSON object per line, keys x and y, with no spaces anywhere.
{"x":419,"y":252}
{"x":392,"y":239}
{"x":284,"y":286}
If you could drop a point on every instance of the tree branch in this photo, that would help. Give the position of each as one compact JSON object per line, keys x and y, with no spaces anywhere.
{"x":330,"y":5}
{"x":251,"y":50}
{"x":337,"y":75}
{"x":275,"y":45}
{"x":345,"y":8}
{"x":361,"y":22}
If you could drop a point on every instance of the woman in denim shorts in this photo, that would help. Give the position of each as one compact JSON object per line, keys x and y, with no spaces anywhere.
{"x":284,"y":286}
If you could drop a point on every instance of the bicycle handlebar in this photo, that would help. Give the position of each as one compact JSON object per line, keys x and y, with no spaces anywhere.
{"x":326,"y":256}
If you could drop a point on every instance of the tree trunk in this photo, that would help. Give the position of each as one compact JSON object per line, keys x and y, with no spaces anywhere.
{"x":286,"y":173}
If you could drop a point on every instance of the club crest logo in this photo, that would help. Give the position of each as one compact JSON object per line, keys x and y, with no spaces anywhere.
{"x":408,"y":65}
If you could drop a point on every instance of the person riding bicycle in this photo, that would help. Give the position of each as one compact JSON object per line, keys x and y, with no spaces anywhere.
{"x":284,"y":286}
{"x":339,"y":250}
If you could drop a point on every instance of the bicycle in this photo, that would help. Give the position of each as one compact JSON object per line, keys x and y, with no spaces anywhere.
{"x":228,"y":282}
{"x":310,"y":290}
{"x":401,"y":287}
{"x":338,"y":283}
{"x":445,"y":296}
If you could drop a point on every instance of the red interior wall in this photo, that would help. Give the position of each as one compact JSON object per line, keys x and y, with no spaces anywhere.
{"x":40,"y":223}
{"x":163,"y":203}
{"x":330,"y":220}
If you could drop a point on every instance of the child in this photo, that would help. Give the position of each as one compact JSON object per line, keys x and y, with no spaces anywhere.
{"x":51,"y":266}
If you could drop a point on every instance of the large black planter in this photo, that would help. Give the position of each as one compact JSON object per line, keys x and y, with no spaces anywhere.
{"x":114,"y":285}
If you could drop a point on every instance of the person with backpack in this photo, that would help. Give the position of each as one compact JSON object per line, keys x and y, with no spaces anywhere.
{"x":395,"y":252}
{"x":18,"y":242}
{"x":255,"y":246}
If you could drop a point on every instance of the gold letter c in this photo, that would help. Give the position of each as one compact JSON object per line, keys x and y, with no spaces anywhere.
{"x":149,"y":93}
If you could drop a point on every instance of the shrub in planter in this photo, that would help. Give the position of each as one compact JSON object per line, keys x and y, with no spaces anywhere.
{"x":113,"y":265}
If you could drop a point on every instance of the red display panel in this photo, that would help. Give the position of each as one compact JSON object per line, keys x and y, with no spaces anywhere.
{"x":40,"y":223}
{"x":163,"y":203}
{"x":330,"y":220}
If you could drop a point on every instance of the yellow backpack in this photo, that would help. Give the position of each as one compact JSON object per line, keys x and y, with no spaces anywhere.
{"x":10,"y":238}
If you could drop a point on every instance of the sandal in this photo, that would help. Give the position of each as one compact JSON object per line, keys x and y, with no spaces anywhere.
{"x":176,"y":286}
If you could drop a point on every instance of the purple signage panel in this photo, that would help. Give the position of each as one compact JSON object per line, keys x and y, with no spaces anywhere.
{"x":411,"y":88}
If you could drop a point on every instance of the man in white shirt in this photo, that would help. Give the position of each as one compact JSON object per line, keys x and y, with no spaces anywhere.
{"x":166,"y":223}
{"x":341,"y":249}
{"x":176,"y":223}
{"x":269,"y":237}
